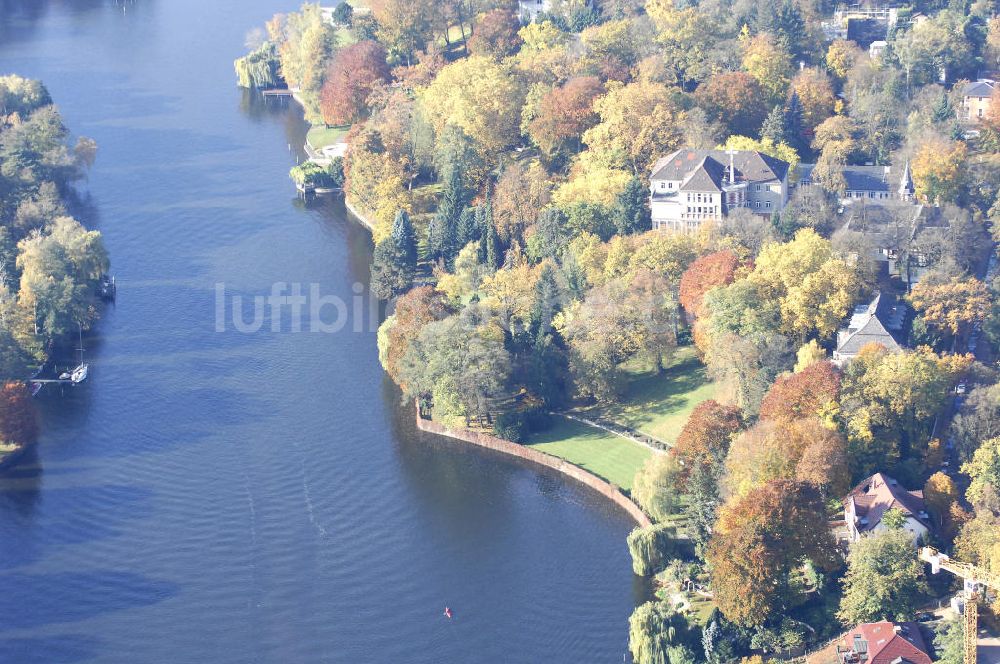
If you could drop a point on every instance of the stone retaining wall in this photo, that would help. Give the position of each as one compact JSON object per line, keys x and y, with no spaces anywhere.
{"x":609,"y":491}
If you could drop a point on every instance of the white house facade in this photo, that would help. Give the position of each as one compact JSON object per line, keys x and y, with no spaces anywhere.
{"x":691,"y":187}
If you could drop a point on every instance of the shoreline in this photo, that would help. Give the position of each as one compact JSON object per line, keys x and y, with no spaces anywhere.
{"x":561,"y":466}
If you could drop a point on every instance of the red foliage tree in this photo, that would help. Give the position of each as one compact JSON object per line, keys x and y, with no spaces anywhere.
{"x":352,"y":75}
{"x":707,"y":272}
{"x":565,"y":112}
{"x":802,"y":394}
{"x":705,"y":438}
{"x":736,"y":99}
{"x":418,"y":307}
{"x":18,"y":425}
{"x":759,"y":541}
{"x":496,"y":35}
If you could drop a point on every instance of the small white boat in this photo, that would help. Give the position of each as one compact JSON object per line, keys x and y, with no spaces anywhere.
{"x":79,"y":374}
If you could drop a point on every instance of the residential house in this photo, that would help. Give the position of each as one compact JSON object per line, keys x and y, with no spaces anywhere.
{"x":976,"y":100}
{"x":529,"y":9}
{"x":865,"y":505}
{"x":873,"y":184}
{"x":877,"y":48}
{"x":690,"y":187}
{"x":883,"y":643}
{"x":890,"y":229}
{"x":878,"y":322}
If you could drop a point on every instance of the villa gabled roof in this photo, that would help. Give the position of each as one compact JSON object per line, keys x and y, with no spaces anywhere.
{"x":981,"y":88}
{"x":880,"y":493}
{"x":710,"y":168}
{"x":875,"y":322}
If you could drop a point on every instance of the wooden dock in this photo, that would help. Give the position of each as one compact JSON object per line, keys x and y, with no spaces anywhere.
{"x":277,"y":92}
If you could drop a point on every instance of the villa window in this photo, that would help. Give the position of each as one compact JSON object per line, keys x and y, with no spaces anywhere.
{"x":663,"y":185}
{"x":767,"y":204}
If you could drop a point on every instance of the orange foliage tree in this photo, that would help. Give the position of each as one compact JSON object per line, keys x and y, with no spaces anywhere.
{"x":804,"y":394}
{"x":352,"y":75}
{"x":704,"y":274}
{"x":564,"y":113}
{"x":416,"y":308}
{"x":704,"y":440}
{"x":759,"y":541}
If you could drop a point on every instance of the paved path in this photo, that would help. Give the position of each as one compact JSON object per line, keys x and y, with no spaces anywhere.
{"x":643,"y":439}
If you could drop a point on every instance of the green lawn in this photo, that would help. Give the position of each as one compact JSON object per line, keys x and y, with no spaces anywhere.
{"x":659,"y":403}
{"x":606,"y":455}
{"x":319,"y":136}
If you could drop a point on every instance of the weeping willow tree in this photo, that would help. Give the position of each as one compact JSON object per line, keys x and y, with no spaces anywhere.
{"x":656,"y":635}
{"x":651,"y":547}
{"x":258,"y":69}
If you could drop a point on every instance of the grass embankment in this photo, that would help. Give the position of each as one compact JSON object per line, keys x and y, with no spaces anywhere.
{"x":655,"y":403}
{"x":608,"y":456}
{"x":658,"y":404}
{"x":321,"y":136}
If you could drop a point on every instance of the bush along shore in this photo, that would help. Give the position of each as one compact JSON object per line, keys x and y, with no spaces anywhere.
{"x":522,"y":179}
{"x":53,"y":271}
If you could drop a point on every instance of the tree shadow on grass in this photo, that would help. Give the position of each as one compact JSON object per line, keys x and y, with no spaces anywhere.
{"x":650,"y":395}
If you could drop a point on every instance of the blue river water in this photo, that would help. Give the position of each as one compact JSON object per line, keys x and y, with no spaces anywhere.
{"x":224,"y":496}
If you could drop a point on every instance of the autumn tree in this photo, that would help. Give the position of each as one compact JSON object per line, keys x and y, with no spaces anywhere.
{"x":810,"y":392}
{"x":354,"y":71}
{"x":884,"y":581}
{"x":760,"y":541}
{"x":938,"y":169}
{"x":404,"y":26}
{"x":941,"y":497}
{"x":496,"y":34}
{"x":704,"y":440}
{"x":768,"y":62}
{"x":983,"y":471}
{"x":519,"y":195}
{"x":704,"y":274}
{"x":816,"y":288}
{"x":18,"y":423}
{"x":479,"y":96}
{"x":889,"y":401}
{"x":734,"y":98}
{"x":802,"y":449}
{"x":620,"y":319}
{"x":841,"y":56}
{"x":564,"y":114}
{"x":815,"y":94}
{"x":953,"y":305}
{"x":640,"y":122}
{"x":418,"y":307}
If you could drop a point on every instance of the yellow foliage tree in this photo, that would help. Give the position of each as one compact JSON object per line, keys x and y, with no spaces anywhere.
{"x":938,"y":169}
{"x":640,"y":122}
{"x":479,"y":96}
{"x":950,"y":305}
{"x":766,"y":60}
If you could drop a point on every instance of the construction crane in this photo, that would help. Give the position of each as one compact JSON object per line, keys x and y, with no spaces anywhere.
{"x":974,"y":578}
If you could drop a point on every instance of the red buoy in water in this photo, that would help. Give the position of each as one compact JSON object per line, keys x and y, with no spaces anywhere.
{"x":447,"y":612}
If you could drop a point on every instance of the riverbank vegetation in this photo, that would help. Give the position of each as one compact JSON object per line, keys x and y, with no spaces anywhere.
{"x":50,"y":265}
{"x":504,"y":168}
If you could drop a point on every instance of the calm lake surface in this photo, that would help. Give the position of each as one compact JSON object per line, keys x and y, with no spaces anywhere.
{"x":230,"y":497}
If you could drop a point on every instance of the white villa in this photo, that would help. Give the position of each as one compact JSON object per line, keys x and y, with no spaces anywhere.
{"x":690,"y":187}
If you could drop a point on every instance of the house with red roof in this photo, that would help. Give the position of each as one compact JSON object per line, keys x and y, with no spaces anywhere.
{"x":865,"y":505}
{"x":884,"y":643}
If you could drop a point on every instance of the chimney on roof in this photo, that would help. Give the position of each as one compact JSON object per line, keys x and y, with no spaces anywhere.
{"x":732,"y":167}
